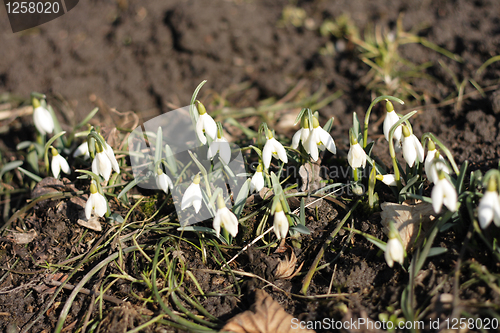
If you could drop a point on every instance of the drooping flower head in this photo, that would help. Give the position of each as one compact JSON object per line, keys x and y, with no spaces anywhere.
{"x":59,"y":163}
{"x":412,"y":148}
{"x":443,"y":192}
{"x":489,"y":206}
{"x":302,"y":135}
{"x":205,"y":124}
{"x":163,"y":181}
{"x":96,"y":203}
{"x":356,"y":155}
{"x":225,"y":218}
{"x":101,"y":165}
{"x":394,"y":251}
{"x":257,"y":182}
{"x":42,"y":118}
{"x":192,"y":196}
{"x":280,"y":222}
{"x":388,"y":179}
{"x":319,"y":138}
{"x":391,"y":118}
{"x":221,"y":146}
{"x":273,"y":148}
{"x":430,"y":166}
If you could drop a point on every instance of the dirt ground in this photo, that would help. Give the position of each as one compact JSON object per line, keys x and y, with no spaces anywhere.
{"x":148,"y":57}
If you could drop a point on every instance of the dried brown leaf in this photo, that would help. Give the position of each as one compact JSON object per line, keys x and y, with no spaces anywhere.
{"x":92,"y":223}
{"x":265,"y":316}
{"x":22,"y":237}
{"x":286,"y":268}
{"x":408,"y":219}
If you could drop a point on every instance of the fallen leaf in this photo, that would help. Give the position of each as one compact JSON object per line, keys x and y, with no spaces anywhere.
{"x":92,"y":223}
{"x":22,"y":237}
{"x":286,"y":268}
{"x":265,"y":316}
{"x":408,"y":219}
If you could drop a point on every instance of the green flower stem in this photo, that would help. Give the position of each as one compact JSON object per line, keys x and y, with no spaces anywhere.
{"x":355,"y":174}
{"x":369,"y":111}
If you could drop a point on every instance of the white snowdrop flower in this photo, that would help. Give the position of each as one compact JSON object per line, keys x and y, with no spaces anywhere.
{"x":394,"y":251}
{"x":273,"y":148}
{"x":82,"y":150}
{"x":257,"y":182}
{"x":205,"y":124}
{"x":163,"y":181}
{"x":390,"y":119}
{"x":489,"y":206}
{"x":59,"y":163}
{"x":388,"y":179}
{"x":412,"y":148}
{"x":96,"y":203}
{"x":319,"y":138}
{"x":221,"y":146}
{"x":192,"y":196}
{"x":301,"y":136}
{"x":111,"y":156}
{"x":42,"y":118}
{"x":356,"y":155}
{"x":430,"y":166}
{"x":443,"y":192}
{"x":101,"y":165}
{"x":280,"y":222}
{"x":225,"y":218}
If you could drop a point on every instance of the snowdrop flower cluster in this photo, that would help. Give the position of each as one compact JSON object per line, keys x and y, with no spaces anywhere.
{"x":105,"y":161}
{"x":59,"y":163}
{"x":225,"y":218}
{"x":96,"y":203}
{"x":42,"y":118}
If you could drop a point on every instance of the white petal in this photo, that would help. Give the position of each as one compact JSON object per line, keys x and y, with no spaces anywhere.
{"x":64,"y":165}
{"x":162,"y":182}
{"x":101,"y":165}
{"x":485,"y":211}
{"x":199,"y":131}
{"x":388,"y":258}
{"x":429,"y":170}
{"x":409,"y":151}
{"x":43,"y":120}
{"x":312,"y":144}
{"x":419,"y":149}
{"x":389,"y":180}
{"x":356,"y":156}
{"x":450,"y":195}
{"x":394,"y":252}
{"x":280,"y":224}
{"x":82,"y":150}
{"x":327,"y":141}
{"x":192,"y":194}
{"x":56,"y":168}
{"x":216,"y":223}
{"x":89,"y":206}
{"x":437,"y":196}
{"x":280,"y":150}
{"x":100,"y":206}
{"x":267,"y":153}
{"x":209,"y":125}
{"x":224,"y":150}
{"x":230,"y":221}
{"x":111,"y":156}
{"x":257,"y":182}
{"x":296,"y":138}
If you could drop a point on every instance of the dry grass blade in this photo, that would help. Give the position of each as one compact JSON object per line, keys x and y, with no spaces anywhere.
{"x":265,"y":316}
